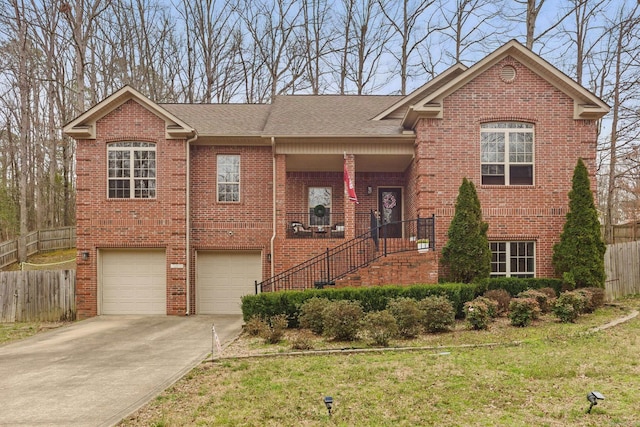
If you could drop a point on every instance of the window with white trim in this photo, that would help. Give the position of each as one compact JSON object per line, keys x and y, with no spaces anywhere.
{"x":319,"y":206}
{"x":228,"y":169}
{"x":506,"y":153}
{"x":513,"y":259}
{"x":131,"y":170}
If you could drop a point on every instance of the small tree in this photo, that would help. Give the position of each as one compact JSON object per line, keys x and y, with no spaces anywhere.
{"x":579,"y":256}
{"x":467,"y":252}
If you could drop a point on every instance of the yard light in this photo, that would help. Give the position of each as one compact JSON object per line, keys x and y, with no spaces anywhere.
{"x":593,"y":398}
{"x":328,"y":402}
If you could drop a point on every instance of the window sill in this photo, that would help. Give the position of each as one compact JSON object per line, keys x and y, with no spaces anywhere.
{"x":508,"y":187}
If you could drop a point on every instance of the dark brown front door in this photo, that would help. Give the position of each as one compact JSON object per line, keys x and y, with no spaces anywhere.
{"x":390,"y":208}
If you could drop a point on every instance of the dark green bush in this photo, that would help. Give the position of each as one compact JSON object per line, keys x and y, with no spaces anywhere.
{"x":569,"y":306}
{"x":407,"y":315}
{"x":477,"y":314}
{"x":276,"y":326}
{"x":540,"y":297}
{"x":342,"y":320}
{"x":438,"y":314}
{"x":379,"y":327}
{"x":522,"y":311}
{"x":372,"y":298}
{"x":502,"y":299}
{"x":312,"y":314}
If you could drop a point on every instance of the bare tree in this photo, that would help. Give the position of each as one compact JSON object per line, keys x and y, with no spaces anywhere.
{"x":412,"y":24}
{"x":471,"y":24}
{"x":366,"y":35}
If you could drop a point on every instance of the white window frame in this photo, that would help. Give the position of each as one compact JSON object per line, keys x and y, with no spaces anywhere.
{"x":131,"y":170}
{"x":507,"y":259}
{"x":506,"y":151}
{"x":313,"y":202}
{"x":228,"y":179}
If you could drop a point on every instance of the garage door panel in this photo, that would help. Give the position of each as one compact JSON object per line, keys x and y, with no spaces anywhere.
{"x":223,"y":278}
{"x":133,"y":282}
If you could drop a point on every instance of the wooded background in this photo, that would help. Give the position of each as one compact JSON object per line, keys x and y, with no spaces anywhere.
{"x":57,"y":58}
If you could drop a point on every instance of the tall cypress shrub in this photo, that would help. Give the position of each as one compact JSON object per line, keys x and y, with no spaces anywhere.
{"x":467,"y":253}
{"x":579,"y":256}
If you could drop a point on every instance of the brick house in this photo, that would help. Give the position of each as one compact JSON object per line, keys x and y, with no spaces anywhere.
{"x":184,"y":208}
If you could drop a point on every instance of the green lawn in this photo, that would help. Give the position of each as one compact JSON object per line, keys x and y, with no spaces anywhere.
{"x":543,"y":381}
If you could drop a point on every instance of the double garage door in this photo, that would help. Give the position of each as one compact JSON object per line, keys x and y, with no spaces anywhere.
{"x":133,"y":281}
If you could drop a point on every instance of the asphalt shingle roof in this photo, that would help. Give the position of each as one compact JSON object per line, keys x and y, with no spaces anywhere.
{"x":292,"y":115}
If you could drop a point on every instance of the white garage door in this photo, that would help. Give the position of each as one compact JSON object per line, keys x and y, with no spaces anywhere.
{"x":133,"y":281}
{"x":224,"y":277}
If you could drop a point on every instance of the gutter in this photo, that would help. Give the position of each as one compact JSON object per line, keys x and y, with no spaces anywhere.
{"x":188,"y":219}
{"x":275,"y":223}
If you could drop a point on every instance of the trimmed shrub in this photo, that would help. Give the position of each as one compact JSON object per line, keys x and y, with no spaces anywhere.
{"x":255,"y":326}
{"x":477,"y":314}
{"x":379,"y":327}
{"x":569,"y":306}
{"x":438,"y":314}
{"x":407,"y":315}
{"x":540,"y":297}
{"x":522,"y":311}
{"x":342,"y":320}
{"x":312,"y":314}
{"x":598,"y":296}
{"x":274,"y":333}
{"x":502,"y":299}
{"x":492,"y":306}
{"x":375,"y":298}
{"x":594,"y":298}
{"x":303,"y":340}
{"x":515,"y":285}
{"x":550,"y":293}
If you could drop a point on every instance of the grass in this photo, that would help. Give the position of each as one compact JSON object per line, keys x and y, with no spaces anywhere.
{"x":62,"y":259}
{"x":17,"y":331}
{"x":542,"y":381}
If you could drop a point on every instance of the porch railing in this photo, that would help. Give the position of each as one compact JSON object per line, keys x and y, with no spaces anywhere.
{"x":337,"y":262}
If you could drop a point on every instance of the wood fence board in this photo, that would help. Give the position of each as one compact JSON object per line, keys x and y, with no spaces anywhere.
{"x":622,"y":267}
{"x":42,"y":295}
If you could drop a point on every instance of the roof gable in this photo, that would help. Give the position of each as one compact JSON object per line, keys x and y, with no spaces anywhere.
{"x":398,"y":109}
{"x":84,"y":126}
{"x":586,"y":105}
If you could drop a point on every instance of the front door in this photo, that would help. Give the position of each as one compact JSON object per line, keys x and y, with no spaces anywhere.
{"x":390,"y":208}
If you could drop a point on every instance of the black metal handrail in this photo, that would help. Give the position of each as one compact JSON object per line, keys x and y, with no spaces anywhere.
{"x":337,"y":262}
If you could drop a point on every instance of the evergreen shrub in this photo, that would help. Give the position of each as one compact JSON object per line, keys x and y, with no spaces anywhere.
{"x":477,"y":314}
{"x":379,"y":327}
{"x":312,"y":314}
{"x":522,"y":311}
{"x":342,"y":320}
{"x":407,"y":315}
{"x":438,"y":314}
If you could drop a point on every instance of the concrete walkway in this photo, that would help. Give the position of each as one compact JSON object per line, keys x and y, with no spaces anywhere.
{"x":98,"y":371}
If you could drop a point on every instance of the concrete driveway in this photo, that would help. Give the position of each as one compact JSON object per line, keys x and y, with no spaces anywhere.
{"x":98,"y":371}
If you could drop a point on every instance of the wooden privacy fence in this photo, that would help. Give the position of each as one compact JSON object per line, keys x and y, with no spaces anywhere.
{"x":43,"y":240}
{"x":622,"y":266}
{"x":31,"y":296}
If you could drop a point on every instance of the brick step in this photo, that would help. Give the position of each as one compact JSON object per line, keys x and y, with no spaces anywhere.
{"x":405,"y":268}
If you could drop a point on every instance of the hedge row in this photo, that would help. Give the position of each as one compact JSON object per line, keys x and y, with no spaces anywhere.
{"x":375,"y":298}
{"x":372,"y":299}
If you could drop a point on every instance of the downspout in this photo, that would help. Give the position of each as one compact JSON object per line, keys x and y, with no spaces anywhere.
{"x":275,"y":222}
{"x":188,"y":220}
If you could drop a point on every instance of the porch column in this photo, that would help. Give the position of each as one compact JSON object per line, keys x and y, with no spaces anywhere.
{"x":349,"y":206}
{"x":280,"y":211}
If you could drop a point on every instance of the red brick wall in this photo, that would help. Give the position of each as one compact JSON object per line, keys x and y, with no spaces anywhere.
{"x":246,"y":225}
{"x":449,"y":149}
{"x":131,"y":223}
{"x":405,"y":268}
